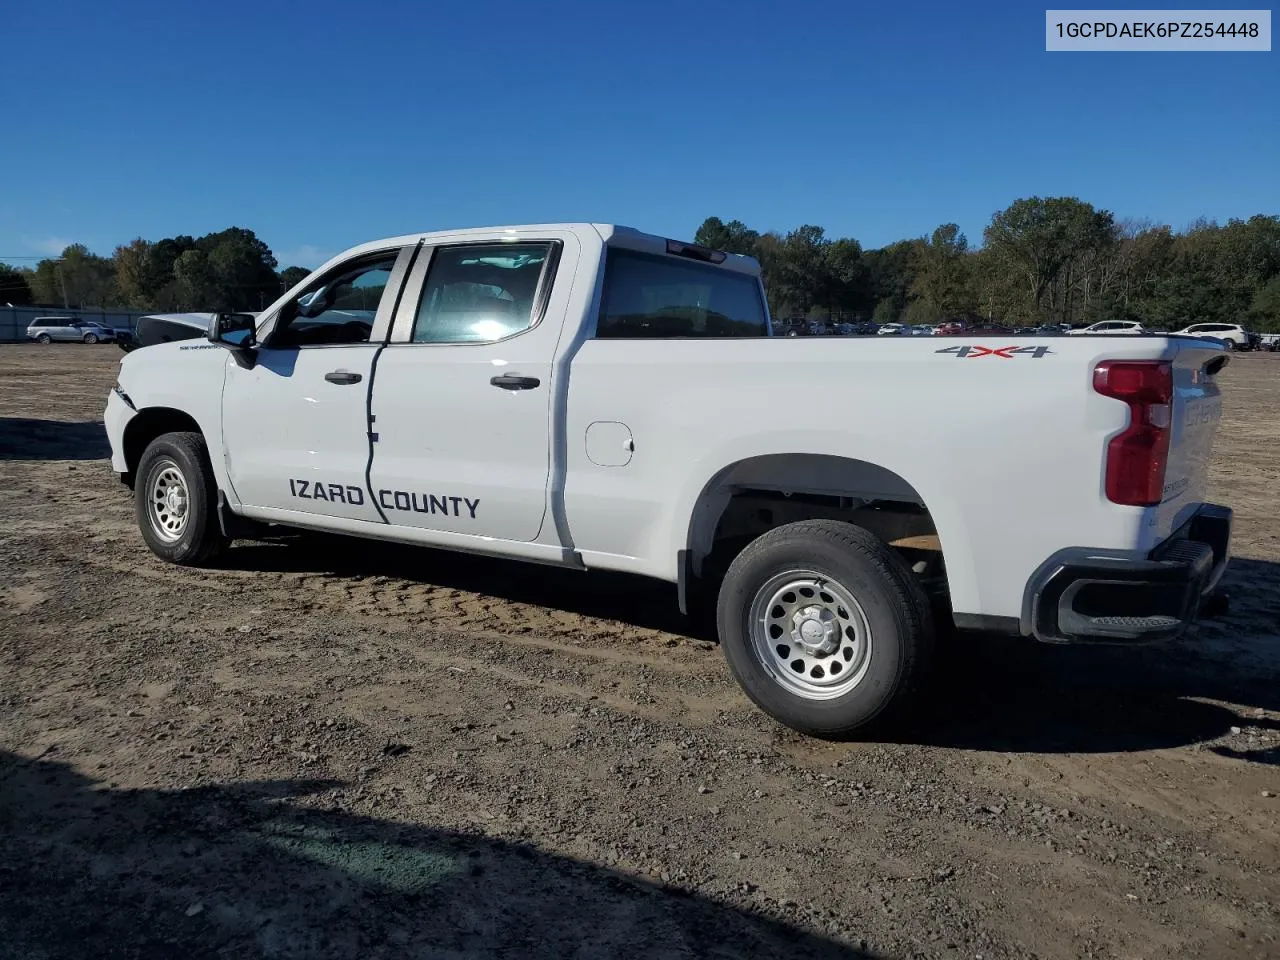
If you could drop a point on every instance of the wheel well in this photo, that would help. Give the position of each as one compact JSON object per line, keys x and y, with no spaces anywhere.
{"x":145,"y":427}
{"x":755,"y":496}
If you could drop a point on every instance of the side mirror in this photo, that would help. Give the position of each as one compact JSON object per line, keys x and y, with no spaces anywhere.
{"x":235,"y":331}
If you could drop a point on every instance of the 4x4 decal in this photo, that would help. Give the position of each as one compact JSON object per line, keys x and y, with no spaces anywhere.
{"x":1004,"y":353}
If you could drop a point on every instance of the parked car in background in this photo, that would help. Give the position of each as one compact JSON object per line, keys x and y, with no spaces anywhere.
{"x":1233,"y":335}
{"x":922,"y":330}
{"x":48,"y":329}
{"x":1110,"y":328}
{"x":1269,"y":341}
{"x":893,"y":330}
{"x":952,"y":328}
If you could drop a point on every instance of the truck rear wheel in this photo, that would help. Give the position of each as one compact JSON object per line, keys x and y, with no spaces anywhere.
{"x":176,"y":497}
{"x":823,"y":626}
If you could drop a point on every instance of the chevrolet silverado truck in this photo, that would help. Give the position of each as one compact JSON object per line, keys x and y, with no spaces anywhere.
{"x":598,"y":398}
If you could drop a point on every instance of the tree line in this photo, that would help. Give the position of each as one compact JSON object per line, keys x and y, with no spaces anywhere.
{"x":1042,"y":260}
{"x":229,"y":270}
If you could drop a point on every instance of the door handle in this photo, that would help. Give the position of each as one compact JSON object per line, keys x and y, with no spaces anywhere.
{"x":342,"y":377}
{"x":509,"y":381}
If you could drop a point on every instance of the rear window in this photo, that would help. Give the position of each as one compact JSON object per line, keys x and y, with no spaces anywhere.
{"x":652,"y":296}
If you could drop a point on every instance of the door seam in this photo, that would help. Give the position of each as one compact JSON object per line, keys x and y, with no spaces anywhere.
{"x":370,"y":435}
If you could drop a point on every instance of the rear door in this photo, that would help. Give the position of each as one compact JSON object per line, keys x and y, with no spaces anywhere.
{"x":462,"y":395}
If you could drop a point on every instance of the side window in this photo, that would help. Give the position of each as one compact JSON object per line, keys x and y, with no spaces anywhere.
{"x":339,"y":307}
{"x":479,"y":293}
{"x":650,"y":295}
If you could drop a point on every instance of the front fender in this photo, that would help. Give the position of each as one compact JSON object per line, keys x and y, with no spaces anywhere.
{"x":186,"y":377}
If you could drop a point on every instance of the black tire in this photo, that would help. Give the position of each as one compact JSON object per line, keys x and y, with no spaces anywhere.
{"x":90,"y":338}
{"x":892,"y":605}
{"x":44,"y":338}
{"x":199,"y":538}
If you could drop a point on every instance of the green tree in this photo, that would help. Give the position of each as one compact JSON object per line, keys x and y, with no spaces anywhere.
{"x":135,"y":284}
{"x":90,"y":279}
{"x":46,"y":282}
{"x":195,"y":285}
{"x":732,"y":237}
{"x":77,"y":278}
{"x":14,"y":286}
{"x":1047,"y":246}
{"x":804,"y":270}
{"x":891,"y":273}
{"x":1264,"y":312}
{"x":845,"y":277}
{"x":769,"y":251}
{"x":291,"y":276}
{"x":943,"y":284}
{"x":241,"y":269}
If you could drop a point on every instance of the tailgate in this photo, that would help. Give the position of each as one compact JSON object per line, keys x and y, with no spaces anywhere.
{"x":1197,"y":408}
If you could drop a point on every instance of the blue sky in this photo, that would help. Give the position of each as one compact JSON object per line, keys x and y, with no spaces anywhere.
{"x":320,"y":125}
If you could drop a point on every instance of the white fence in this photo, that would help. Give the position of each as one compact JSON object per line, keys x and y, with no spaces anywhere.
{"x":14,"y":320}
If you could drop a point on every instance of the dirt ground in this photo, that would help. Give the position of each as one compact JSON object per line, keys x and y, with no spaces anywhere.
{"x":327,"y":748}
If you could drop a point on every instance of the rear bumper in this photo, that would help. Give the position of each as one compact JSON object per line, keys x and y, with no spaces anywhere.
{"x":1082,"y":595}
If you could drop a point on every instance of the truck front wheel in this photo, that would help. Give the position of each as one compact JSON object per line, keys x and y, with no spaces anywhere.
{"x":823,"y":626}
{"x":176,"y":499}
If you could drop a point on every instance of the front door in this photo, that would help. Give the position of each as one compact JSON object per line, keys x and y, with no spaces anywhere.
{"x":296,"y":423}
{"x":463,"y":391}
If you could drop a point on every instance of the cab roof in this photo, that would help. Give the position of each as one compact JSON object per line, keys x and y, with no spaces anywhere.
{"x":613,"y":235}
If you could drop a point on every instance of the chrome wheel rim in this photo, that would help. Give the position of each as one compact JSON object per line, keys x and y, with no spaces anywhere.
{"x":168,"y":501}
{"x":810,"y":634}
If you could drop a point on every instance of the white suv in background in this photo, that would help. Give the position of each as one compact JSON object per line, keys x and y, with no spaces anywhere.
{"x":1234,"y":335}
{"x":1112,"y":327}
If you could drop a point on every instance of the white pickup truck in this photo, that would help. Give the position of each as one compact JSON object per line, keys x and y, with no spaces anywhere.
{"x":599,"y":398}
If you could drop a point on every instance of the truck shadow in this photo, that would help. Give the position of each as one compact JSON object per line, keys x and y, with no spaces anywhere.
{"x":986,"y":693}
{"x":996,"y":693}
{"x":639,"y":601}
{"x":23,"y":438}
{"x":241,"y":870}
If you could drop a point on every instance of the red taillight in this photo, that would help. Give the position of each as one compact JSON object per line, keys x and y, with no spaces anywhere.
{"x":1137,"y":457}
